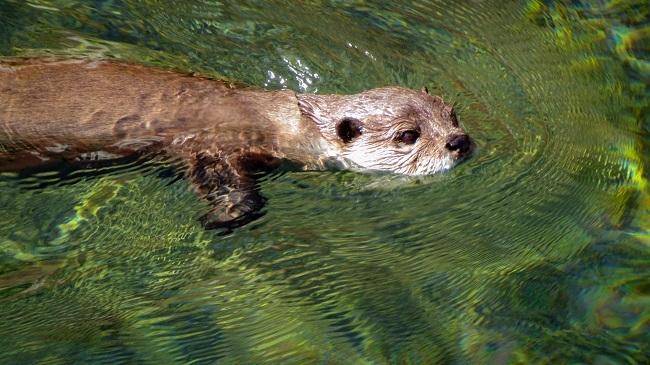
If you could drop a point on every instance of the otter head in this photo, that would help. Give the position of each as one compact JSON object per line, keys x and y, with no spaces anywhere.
{"x":390,"y":129}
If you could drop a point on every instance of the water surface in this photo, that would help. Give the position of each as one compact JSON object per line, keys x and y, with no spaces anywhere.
{"x":537,"y":250}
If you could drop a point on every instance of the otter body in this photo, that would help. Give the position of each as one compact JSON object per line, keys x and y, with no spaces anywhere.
{"x":61,"y":111}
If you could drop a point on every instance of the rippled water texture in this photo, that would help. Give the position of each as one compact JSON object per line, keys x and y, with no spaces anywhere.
{"x":537,"y":250}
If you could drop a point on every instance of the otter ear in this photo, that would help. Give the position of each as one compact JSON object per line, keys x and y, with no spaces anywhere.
{"x":425,"y":90}
{"x":313,"y":106}
{"x":348,"y":129}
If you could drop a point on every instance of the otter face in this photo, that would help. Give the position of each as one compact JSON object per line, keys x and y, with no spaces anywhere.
{"x":390,"y":129}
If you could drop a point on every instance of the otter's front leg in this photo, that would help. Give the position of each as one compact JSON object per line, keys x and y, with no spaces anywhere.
{"x":229,"y":185}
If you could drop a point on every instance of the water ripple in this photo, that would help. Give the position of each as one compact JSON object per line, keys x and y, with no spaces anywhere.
{"x":528,"y":252}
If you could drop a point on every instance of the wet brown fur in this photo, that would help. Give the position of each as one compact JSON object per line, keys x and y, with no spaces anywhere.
{"x":55,"y":111}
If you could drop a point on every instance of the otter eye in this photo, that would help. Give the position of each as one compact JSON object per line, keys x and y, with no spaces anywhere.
{"x":409,"y":137}
{"x":348,"y":129}
{"x":454,"y":118}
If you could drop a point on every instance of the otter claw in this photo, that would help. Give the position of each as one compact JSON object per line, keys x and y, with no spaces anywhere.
{"x":231,"y":192}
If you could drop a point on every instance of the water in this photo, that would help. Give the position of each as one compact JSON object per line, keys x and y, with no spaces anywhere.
{"x":537,"y":250}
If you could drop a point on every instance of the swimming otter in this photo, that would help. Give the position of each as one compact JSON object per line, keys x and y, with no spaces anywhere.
{"x":54,"y":111}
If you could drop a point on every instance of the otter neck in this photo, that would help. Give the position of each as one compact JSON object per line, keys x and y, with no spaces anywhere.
{"x":250,"y":121}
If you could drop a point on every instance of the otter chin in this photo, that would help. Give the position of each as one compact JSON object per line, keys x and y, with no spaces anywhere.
{"x":59,"y":112}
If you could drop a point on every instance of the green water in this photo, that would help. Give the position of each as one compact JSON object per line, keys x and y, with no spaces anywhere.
{"x":537,"y":250}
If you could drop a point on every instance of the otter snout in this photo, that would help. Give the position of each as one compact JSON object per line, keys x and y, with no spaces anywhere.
{"x":460,"y":143}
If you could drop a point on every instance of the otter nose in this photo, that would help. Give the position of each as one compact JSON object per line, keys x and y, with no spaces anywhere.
{"x":459,"y":142}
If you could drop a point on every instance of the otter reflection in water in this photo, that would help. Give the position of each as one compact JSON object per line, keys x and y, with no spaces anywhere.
{"x":54,"y":112}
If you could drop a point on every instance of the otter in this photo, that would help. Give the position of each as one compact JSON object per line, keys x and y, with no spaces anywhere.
{"x":62,"y":111}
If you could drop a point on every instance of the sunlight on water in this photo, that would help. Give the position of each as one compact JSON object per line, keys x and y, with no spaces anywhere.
{"x":536,"y":250}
